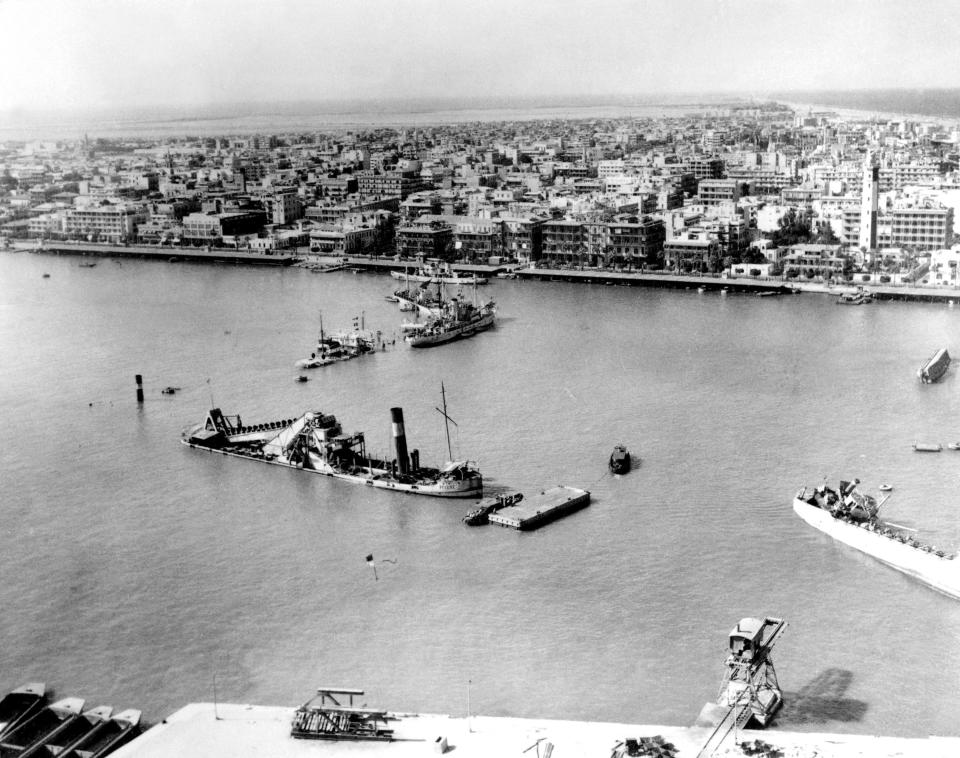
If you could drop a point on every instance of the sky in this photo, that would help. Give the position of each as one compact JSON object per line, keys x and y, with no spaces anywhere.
{"x":64,"y":54}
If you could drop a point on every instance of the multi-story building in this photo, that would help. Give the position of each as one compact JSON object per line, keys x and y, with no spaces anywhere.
{"x":638,"y":242}
{"x":716,"y":191}
{"x":116,"y":222}
{"x":422,"y":238}
{"x":691,"y":254}
{"x":211,"y":228}
{"x":401,"y":183}
{"x":922,"y":228}
{"x":523,"y":237}
{"x":563,"y":240}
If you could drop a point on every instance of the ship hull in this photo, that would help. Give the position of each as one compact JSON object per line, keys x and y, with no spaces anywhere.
{"x":934,"y":369}
{"x":941,"y":573}
{"x":443,"y":488}
{"x":444,"y":279}
{"x":467,"y":329}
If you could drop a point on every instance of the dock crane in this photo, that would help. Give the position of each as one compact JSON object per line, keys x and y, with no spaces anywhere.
{"x":750,"y":691}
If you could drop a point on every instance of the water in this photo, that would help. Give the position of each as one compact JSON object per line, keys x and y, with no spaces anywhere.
{"x":139,"y":572}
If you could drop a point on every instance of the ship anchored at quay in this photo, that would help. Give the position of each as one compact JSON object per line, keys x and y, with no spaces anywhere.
{"x":315,"y":442}
{"x":852,"y":518}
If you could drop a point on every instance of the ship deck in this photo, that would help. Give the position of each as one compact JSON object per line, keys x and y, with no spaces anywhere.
{"x":540,"y":509}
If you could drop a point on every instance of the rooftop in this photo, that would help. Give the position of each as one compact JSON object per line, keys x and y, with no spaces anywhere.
{"x":204,"y":730}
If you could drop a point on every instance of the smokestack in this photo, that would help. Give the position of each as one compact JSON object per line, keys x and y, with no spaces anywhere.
{"x":400,"y":440}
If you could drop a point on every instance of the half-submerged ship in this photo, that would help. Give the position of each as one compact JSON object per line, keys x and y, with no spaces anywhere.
{"x":935,"y":367}
{"x":315,"y":442}
{"x":333,"y":348}
{"x":852,"y":518}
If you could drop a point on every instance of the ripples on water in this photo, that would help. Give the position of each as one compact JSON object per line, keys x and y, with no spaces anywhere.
{"x":136,"y":570}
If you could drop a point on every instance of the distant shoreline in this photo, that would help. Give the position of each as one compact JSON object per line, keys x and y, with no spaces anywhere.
{"x":207,"y":120}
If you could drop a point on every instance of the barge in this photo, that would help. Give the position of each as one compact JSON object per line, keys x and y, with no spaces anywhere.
{"x":540,"y":509}
{"x":315,"y":442}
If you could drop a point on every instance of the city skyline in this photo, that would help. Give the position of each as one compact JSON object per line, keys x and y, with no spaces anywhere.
{"x":108,"y":54}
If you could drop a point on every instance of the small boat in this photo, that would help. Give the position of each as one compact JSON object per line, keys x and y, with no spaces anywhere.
{"x":701,"y":289}
{"x":20,"y":704}
{"x":859,"y":297}
{"x":46,"y":276}
{"x":935,"y":367}
{"x":43,"y":726}
{"x":303,"y":378}
{"x":105,"y":737}
{"x":508,"y":275}
{"x":953,"y":445}
{"x":885,"y":488}
{"x":620,"y":460}
{"x":481,"y":514}
{"x":88,"y":264}
{"x":927,"y":447}
{"x":169,"y":390}
{"x":74,"y":732}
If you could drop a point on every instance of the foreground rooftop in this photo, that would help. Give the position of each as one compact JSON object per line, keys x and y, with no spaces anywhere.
{"x":204,"y":730}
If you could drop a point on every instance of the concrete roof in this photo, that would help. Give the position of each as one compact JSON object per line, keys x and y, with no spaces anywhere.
{"x":202,"y":730}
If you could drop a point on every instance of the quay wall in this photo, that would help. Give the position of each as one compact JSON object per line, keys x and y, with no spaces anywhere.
{"x":734,"y":285}
{"x":197,"y":254}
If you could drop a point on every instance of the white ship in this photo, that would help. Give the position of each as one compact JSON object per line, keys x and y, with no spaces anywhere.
{"x":438,"y":272}
{"x":851,"y":517}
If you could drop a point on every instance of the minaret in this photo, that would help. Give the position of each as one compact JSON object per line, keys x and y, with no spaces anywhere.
{"x":868,"y":206}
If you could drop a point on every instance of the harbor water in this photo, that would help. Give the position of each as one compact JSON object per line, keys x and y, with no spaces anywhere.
{"x":139,"y":572}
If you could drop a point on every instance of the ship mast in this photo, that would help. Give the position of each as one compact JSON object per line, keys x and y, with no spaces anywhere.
{"x":446,"y":420}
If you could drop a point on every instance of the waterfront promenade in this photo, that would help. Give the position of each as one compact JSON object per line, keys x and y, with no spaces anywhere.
{"x":175,"y":254}
{"x":205,"y":730}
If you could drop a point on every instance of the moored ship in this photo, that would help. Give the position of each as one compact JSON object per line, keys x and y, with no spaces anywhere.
{"x":457,"y":320}
{"x":315,"y":442}
{"x":935,"y":367}
{"x":442,"y":272}
{"x":852,"y":518}
{"x":620,"y":460}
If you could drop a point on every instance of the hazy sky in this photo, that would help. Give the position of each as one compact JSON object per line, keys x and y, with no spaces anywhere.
{"x":66,"y":53}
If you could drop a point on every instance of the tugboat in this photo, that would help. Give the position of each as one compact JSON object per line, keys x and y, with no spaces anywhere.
{"x":481,"y":514}
{"x":620,"y":460}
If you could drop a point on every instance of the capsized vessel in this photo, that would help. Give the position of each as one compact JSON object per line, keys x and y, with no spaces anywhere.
{"x":852,"y":518}
{"x":935,"y":367}
{"x":315,"y":442}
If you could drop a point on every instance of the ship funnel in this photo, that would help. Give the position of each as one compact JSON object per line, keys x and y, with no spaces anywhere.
{"x":400,"y":440}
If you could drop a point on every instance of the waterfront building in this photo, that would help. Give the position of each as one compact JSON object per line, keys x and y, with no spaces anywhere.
{"x":922,"y":228}
{"x":811,"y":260}
{"x":522,"y":237}
{"x":684,"y":254}
{"x":392,"y":182}
{"x":563,"y":240}
{"x":211,"y":228}
{"x":636,"y":242}
{"x":425,"y":237}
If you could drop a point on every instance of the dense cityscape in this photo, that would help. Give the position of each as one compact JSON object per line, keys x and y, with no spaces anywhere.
{"x":756,"y":189}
